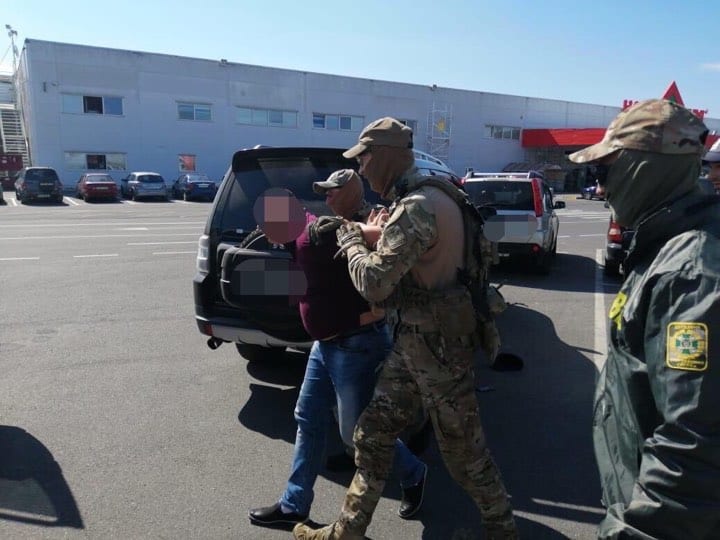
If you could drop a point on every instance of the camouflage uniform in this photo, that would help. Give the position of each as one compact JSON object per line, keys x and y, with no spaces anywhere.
{"x":431,"y":365}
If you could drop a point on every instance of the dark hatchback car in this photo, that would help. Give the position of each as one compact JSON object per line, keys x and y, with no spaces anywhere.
{"x":194,"y":186}
{"x":38,"y":184}
{"x":248,"y":294}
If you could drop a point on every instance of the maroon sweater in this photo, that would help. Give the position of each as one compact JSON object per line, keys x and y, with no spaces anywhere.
{"x":331,"y":304}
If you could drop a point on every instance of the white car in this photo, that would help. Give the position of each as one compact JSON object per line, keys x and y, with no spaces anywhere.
{"x":525,"y":225}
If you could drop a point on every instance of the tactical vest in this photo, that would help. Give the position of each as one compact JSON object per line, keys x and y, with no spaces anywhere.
{"x":477,"y":251}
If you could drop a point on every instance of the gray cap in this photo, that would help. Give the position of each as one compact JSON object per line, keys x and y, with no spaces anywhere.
{"x":713,"y":155}
{"x":382,"y":132}
{"x":335,"y":180}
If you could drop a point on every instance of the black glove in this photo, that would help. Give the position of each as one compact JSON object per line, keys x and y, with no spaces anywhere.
{"x":321,"y":230}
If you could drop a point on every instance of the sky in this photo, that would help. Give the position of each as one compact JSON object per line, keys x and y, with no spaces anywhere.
{"x":600,"y":52}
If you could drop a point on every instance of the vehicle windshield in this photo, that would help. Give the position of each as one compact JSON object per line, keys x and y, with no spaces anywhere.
{"x":255,"y":172}
{"x":97,"y":178}
{"x":150,"y":179}
{"x":508,"y":194}
{"x":41,"y":174}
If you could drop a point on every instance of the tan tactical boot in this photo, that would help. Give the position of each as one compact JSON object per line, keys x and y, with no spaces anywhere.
{"x":334,"y":531}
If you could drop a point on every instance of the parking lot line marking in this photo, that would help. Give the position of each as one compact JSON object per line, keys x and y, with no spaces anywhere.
{"x":159,"y":243}
{"x":96,"y":255}
{"x":600,"y":346}
{"x":20,"y":259}
{"x":567,"y":506}
{"x":71,"y":201}
{"x":174,"y":252}
{"x":73,"y":237}
{"x":137,"y":226}
{"x":587,"y":235}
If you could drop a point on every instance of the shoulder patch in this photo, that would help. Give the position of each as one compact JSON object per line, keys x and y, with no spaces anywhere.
{"x":616,"y":309}
{"x":687,"y":346}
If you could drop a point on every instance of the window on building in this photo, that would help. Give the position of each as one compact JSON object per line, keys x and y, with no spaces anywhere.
{"x":95,"y":161}
{"x":266,"y":117}
{"x":335,"y":122}
{"x":502,"y":132}
{"x":79,"y":104}
{"x":194,"y":111}
{"x":412,"y":124}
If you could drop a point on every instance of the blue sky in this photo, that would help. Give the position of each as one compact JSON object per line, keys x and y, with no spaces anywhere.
{"x":598,"y":52}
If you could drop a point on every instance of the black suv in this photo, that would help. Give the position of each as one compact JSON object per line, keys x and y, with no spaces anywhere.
{"x":246,"y":290}
{"x":38,"y":183}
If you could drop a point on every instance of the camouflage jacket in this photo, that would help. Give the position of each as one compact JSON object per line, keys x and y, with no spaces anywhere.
{"x":657,"y":404}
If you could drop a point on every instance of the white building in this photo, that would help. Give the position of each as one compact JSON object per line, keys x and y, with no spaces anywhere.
{"x":97,"y":108}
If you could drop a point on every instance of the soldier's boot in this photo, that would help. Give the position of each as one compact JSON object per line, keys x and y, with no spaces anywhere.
{"x":334,"y":531}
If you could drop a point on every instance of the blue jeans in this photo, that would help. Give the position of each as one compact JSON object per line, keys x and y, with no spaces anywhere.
{"x":340,"y":371}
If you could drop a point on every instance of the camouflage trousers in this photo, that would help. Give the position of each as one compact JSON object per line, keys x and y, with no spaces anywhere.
{"x":425,"y":369}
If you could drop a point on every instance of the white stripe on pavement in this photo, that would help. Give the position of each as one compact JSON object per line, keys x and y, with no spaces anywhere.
{"x":600,"y":346}
{"x":95,"y":255}
{"x":20,"y":259}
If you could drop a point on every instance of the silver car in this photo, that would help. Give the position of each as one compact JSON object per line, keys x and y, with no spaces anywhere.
{"x":525,"y":225}
{"x":144,"y":185}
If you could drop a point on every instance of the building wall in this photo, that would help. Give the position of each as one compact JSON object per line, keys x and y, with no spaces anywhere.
{"x":151,"y":135}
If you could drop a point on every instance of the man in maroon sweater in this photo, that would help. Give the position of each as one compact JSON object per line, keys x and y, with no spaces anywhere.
{"x":351,"y":342}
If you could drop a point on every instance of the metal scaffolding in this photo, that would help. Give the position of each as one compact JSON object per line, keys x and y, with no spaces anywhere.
{"x":439,"y":130}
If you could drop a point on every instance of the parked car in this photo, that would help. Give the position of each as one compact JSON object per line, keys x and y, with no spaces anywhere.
{"x":144,"y":185}
{"x":525,"y":225}
{"x":190,"y":186}
{"x":96,"y":186}
{"x":2,"y":194}
{"x":616,"y":247}
{"x":38,"y":183}
{"x":431,"y":166}
{"x":590,"y":192}
{"x":7,"y":181}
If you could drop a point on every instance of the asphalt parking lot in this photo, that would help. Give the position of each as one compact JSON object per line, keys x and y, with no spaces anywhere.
{"x":119,"y":422}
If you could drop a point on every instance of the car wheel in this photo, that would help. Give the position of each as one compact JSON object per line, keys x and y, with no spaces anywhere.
{"x":186,"y":197}
{"x":611,"y":268}
{"x":133,"y":196}
{"x":258,"y":353}
{"x":587,"y":196}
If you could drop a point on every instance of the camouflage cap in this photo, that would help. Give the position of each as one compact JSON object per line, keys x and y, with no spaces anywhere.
{"x":382,"y":132}
{"x":713,"y":155}
{"x":654,"y":125}
{"x":335,"y":180}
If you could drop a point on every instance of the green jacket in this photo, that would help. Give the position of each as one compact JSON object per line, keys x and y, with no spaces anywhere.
{"x":657,"y":405}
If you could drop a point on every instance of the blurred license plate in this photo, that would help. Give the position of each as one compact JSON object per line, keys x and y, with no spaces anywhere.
{"x":203,"y":185}
{"x":43,"y":195}
{"x":101,"y":188}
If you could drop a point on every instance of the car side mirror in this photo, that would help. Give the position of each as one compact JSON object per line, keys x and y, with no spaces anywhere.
{"x":559,"y":204}
{"x":607,"y":204}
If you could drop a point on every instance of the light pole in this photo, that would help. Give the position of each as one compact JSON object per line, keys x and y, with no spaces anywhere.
{"x":11,"y":34}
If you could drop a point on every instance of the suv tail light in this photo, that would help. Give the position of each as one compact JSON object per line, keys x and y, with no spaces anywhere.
{"x":614,"y":233}
{"x":537,"y":198}
{"x":201,"y":261}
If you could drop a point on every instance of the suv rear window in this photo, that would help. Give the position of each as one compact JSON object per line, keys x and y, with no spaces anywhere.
{"x":256,"y":171}
{"x":508,"y":194}
{"x":41,"y":174}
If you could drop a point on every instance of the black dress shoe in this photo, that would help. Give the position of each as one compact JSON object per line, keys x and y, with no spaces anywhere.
{"x":412,"y":498}
{"x":273,"y":515}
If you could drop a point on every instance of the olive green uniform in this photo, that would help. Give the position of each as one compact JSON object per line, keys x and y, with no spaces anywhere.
{"x":657,"y":407}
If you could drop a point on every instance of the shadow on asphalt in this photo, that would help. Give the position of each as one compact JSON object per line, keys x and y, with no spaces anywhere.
{"x":537,"y":422}
{"x":32,"y":487}
{"x":570,"y":273}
